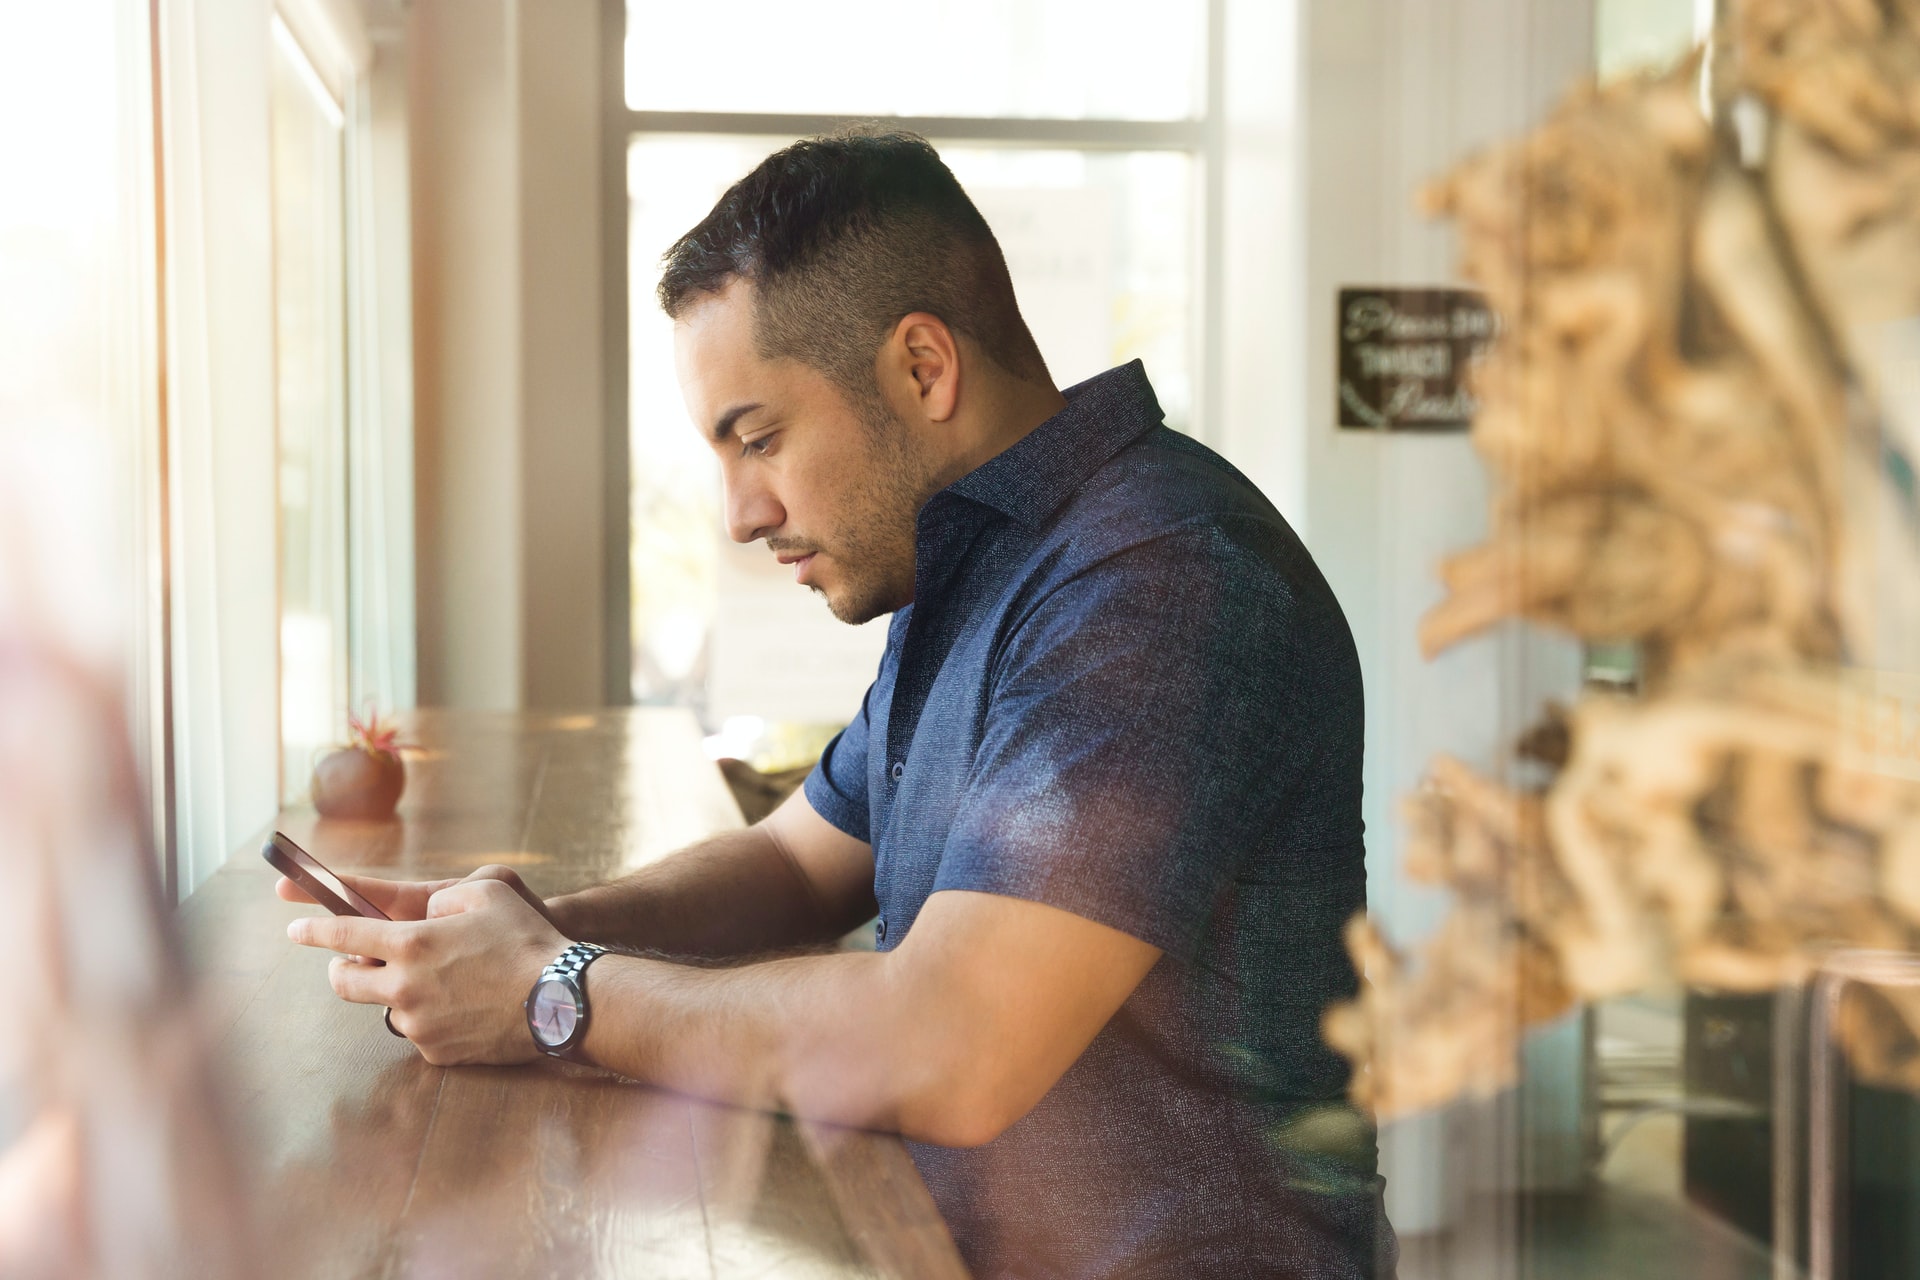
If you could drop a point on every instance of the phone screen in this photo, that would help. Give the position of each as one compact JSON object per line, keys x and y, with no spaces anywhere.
{"x":324,"y":887}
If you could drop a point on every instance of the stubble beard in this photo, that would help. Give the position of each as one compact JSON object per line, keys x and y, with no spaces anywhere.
{"x":873,"y":544}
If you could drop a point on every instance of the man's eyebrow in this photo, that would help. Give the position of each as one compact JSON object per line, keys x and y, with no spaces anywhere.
{"x":724,"y":427}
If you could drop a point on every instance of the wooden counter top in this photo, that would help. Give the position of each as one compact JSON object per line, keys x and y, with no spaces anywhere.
{"x":370,"y":1162}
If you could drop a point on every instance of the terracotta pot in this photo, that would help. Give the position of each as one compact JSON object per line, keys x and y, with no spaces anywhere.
{"x":353,"y":782}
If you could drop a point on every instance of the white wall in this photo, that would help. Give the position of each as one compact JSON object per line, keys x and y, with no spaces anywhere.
{"x":562,"y":382}
{"x":1266,"y":418}
{"x":1396,"y":92}
{"x":466,"y":332}
{"x":508,"y":376}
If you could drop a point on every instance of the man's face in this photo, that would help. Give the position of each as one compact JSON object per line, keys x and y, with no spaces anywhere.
{"x":833,"y":494}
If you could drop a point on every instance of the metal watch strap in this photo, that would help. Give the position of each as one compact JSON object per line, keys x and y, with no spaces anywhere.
{"x":573,"y":962}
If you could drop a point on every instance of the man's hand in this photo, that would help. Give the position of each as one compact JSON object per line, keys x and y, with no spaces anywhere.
{"x":407,"y":899}
{"x":455,"y":979}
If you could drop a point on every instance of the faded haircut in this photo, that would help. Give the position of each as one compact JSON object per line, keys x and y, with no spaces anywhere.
{"x":841,"y":236}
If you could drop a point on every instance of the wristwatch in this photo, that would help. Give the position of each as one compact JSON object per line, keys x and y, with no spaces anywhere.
{"x":557,"y":1005}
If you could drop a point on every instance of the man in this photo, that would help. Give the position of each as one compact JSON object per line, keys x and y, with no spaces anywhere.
{"x":1103,"y":796}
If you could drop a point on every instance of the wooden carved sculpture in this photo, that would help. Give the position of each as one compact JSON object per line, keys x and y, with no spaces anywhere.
{"x":1699,"y":446}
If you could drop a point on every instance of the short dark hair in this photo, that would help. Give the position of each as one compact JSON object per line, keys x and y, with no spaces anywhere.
{"x":841,"y":237}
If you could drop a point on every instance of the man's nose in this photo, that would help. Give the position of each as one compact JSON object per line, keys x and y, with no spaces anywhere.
{"x":751,"y":509}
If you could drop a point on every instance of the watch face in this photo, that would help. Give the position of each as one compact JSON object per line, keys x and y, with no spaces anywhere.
{"x":552,"y":1012}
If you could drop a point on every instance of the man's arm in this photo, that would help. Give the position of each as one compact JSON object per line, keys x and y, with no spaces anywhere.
{"x":791,"y":880}
{"x":948,"y":1039}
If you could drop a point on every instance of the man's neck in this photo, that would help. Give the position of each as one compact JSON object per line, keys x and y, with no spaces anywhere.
{"x":1005,"y":411}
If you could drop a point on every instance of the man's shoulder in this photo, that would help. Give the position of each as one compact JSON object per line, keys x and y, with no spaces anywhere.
{"x":1168,"y":498}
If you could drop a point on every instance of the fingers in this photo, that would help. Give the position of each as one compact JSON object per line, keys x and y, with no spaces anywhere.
{"x":287,"y":891}
{"x":362,"y":983}
{"x":400,"y":899}
{"x":472,"y":894}
{"x":353,"y":935}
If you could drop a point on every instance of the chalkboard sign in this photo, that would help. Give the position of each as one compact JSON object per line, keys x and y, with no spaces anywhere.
{"x":1404,"y":356}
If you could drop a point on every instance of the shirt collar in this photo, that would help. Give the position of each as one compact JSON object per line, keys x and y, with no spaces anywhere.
{"x":1031,"y":479}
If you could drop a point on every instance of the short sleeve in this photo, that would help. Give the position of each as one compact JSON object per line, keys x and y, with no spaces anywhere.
{"x":837,"y":787}
{"x":1136,"y":740}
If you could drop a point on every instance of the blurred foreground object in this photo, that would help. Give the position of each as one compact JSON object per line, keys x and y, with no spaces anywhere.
{"x":1701,"y":444}
{"x":114,"y":1161}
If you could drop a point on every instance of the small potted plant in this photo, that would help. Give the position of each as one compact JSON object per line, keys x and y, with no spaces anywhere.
{"x":363,"y":779}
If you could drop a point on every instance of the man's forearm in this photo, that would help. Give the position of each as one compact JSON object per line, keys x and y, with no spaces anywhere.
{"x":837,"y":1038}
{"x":736,"y":894}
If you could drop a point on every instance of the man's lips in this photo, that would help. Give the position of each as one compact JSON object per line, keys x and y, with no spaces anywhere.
{"x":799,"y":561}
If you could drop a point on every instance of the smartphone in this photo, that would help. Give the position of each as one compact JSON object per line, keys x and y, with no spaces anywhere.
{"x":324,"y":887}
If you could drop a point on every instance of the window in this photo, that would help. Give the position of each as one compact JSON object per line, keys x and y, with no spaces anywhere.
{"x":1646,"y":35}
{"x":1135,"y":60}
{"x":1083,"y":134}
{"x":342,"y":386}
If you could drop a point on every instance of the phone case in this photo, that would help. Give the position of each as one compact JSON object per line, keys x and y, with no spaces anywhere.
{"x":305,"y":870}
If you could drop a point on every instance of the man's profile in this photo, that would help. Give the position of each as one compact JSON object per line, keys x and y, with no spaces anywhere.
{"x":1103,"y":795}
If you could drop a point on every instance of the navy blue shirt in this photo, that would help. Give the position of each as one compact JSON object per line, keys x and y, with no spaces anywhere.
{"x":1124,"y":690}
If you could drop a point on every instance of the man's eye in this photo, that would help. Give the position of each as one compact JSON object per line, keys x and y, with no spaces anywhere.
{"x":756,"y":447}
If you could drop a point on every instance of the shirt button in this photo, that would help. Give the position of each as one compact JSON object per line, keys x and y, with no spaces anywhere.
{"x":880,"y":929}
{"x":899,"y":770}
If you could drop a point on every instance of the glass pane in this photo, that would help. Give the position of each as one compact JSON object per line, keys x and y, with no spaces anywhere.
{"x":1644,"y":35}
{"x":1119,"y":60}
{"x":1101,"y":247}
{"x":1103,"y":252}
{"x":309,"y":336}
{"x":676,"y":487}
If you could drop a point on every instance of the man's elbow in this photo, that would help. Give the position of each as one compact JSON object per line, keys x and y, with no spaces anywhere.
{"x":964,"y":1113}
{"x":961,"y":1128}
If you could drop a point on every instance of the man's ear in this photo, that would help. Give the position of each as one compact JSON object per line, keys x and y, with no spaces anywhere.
{"x":925,"y":360}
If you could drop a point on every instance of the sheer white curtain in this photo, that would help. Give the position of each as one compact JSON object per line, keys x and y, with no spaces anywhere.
{"x":220,"y":411}
{"x":79,"y":378}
